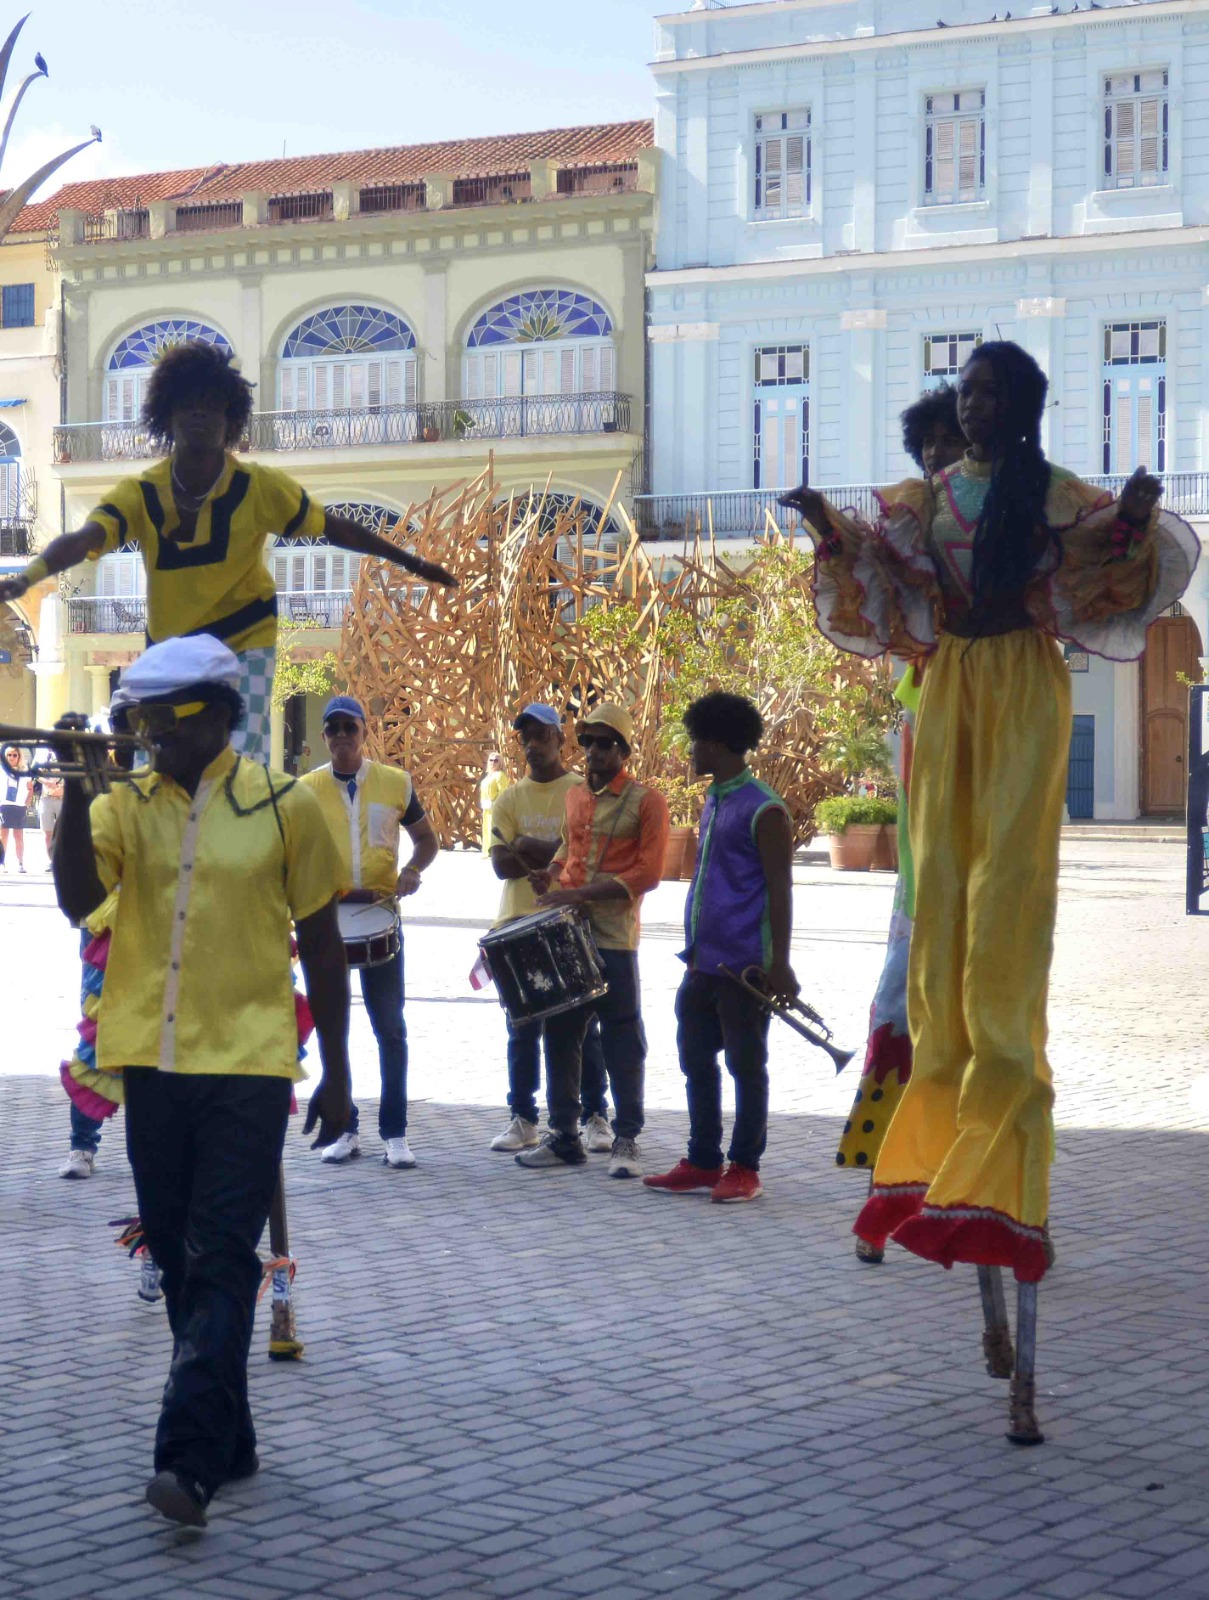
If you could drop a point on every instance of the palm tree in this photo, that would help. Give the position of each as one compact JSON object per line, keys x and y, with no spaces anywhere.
{"x":16,"y":197}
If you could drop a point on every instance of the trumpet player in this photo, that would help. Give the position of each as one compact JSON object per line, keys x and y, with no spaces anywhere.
{"x":739,"y":914}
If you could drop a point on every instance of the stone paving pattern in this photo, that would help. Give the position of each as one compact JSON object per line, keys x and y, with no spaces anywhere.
{"x":521,"y":1384}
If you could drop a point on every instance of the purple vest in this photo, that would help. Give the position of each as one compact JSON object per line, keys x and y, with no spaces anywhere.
{"x":726,"y":915}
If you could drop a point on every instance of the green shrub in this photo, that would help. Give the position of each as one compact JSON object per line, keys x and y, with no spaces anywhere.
{"x":845,"y":810}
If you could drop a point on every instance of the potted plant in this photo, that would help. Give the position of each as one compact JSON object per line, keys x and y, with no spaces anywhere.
{"x":462,"y":423}
{"x":430,"y":428}
{"x":860,"y":832}
{"x":684,"y":802}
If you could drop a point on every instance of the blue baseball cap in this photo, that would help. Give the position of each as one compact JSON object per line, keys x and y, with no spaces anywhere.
{"x":536,"y":711}
{"x":343,"y":704}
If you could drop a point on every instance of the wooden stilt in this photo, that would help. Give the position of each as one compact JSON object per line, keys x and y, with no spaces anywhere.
{"x":996,"y":1334}
{"x":1022,"y":1416}
{"x":284,"y":1343}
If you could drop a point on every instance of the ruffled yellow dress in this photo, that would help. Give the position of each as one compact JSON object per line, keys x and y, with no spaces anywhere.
{"x":963,"y":1170}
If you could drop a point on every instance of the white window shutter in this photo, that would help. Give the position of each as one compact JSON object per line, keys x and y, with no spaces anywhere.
{"x":319,"y":572}
{"x":286,"y":381}
{"x":394,"y":383}
{"x":339,"y":385}
{"x":795,"y":175}
{"x":1123,"y":427}
{"x":491,"y":380}
{"x":281,"y":567}
{"x":531,"y":380}
{"x":474,"y":377}
{"x":772,"y":175}
{"x":566,"y":372}
{"x":321,"y":377}
{"x":1126,"y":134}
{"x":607,"y":381}
{"x":410,"y":369}
{"x":590,"y":378}
{"x":112,"y":413}
{"x":512,"y":373}
{"x":1145,"y":446}
{"x":550,"y":371}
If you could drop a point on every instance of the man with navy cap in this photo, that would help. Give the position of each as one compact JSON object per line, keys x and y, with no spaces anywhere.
{"x":525,"y":826}
{"x":365,"y":803}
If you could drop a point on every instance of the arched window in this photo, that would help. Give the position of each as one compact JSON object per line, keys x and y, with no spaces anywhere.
{"x":348,"y":358}
{"x":10,"y":475}
{"x":540,"y":342}
{"x":133,"y":357}
{"x":306,"y":566}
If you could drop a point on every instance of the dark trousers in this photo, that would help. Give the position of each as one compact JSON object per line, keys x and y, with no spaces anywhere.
{"x":383,"y":992}
{"x":714,"y":1014}
{"x":623,"y":1042}
{"x":205,"y":1152}
{"x":85,"y":1131}
{"x":525,"y":1070}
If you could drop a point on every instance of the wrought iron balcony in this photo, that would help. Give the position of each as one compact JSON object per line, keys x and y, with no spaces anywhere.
{"x":520,"y":417}
{"x":744,"y":513}
{"x":94,"y":613}
{"x":323,"y":608}
{"x":14,"y":537}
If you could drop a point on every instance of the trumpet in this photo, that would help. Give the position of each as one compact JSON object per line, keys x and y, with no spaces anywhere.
{"x":813,"y":1029}
{"x":94,"y":761}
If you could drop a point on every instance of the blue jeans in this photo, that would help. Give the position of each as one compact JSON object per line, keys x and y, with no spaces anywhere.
{"x":525,"y":1070}
{"x":85,"y":1131}
{"x":715,"y":1014}
{"x":383,"y":993}
{"x":623,"y":1040}
{"x":205,"y":1151}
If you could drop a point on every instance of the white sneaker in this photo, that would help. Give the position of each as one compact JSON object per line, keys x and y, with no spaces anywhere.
{"x":345,"y":1148}
{"x":79,"y":1164}
{"x":397,"y":1154}
{"x":518,"y":1135}
{"x":596,"y":1134}
{"x":624,"y":1161}
{"x":149,"y":1281}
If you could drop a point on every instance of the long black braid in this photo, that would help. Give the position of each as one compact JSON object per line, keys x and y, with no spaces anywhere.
{"x":1006,"y":548}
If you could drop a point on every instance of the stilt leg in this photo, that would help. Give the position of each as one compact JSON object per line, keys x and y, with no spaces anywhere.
{"x":865,"y":1251}
{"x":1022,"y":1417}
{"x":996,"y":1335}
{"x":284,"y":1343}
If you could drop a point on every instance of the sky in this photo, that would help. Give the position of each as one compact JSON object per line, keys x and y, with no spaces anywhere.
{"x":181,"y":83}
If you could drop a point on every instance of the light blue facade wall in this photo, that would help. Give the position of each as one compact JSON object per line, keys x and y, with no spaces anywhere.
{"x":1046,"y":256}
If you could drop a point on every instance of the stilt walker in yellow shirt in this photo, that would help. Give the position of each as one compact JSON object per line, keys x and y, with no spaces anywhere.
{"x":200,"y":518}
{"x":986,"y":568}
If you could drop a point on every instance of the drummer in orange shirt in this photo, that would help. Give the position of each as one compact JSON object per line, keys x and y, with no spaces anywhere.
{"x":614,"y":838}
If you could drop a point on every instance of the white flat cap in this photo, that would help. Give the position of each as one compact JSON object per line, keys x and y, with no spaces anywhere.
{"x":165,"y":669}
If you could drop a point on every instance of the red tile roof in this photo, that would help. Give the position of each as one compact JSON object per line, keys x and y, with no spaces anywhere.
{"x":599,"y":144}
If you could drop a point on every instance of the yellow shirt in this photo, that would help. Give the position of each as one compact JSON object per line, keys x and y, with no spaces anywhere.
{"x":490,"y":789}
{"x":535,"y":810}
{"x":218,"y":582}
{"x":366,"y":829}
{"x":198,"y":978}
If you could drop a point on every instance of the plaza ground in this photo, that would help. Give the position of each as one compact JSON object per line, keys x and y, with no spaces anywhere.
{"x":557,"y":1385}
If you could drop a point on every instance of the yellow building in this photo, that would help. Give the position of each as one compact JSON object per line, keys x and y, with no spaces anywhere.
{"x":401,"y":311}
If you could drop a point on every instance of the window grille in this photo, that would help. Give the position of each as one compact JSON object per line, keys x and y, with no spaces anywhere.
{"x":1135,"y":396}
{"x":945,"y":354}
{"x":315,"y":207}
{"x":197,"y":219}
{"x":380,"y":197}
{"x":781,"y":417}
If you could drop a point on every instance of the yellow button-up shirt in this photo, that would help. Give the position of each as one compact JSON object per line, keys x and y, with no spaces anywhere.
{"x":365,"y":827}
{"x":198,"y":978}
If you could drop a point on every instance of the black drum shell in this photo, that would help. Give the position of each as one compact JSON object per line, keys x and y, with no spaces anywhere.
{"x":544,"y":964}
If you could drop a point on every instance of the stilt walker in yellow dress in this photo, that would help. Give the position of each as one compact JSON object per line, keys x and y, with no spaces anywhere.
{"x":987,"y":567}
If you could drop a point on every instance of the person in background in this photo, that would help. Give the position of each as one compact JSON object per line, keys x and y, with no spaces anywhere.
{"x":494,"y":781}
{"x":739,"y":914}
{"x":525,"y":827}
{"x":14,"y":803}
{"x":365,"y":804}
{"x":614,"y":839}
{"x":932,"y":435}
{"x":50,"y":804}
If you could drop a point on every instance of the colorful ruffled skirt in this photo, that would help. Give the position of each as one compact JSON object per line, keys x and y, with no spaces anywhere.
{"x":963,"y":1170}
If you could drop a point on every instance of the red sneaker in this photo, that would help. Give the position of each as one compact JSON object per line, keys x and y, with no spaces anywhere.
{"x":684,"y":1178}
{"x":737,"y":1183}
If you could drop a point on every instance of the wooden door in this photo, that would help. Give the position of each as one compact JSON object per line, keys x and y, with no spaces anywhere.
{"x":1173,"y":646}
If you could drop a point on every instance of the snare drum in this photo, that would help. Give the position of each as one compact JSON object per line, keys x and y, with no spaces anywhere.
{"x":370,"y":930}
{"x":543,"y":964}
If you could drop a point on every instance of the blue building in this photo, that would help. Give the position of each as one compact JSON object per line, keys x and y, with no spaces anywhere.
{"x":856,"y":192}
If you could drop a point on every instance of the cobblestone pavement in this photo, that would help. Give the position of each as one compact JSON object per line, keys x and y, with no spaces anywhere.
{"x":556,"y":1385}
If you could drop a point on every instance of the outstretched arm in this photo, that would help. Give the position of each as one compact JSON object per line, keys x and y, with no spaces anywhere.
{"x":68,"y":550}
{"x":349,"y":535}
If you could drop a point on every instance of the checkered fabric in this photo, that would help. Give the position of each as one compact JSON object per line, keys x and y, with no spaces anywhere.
{"x":256,"y":669}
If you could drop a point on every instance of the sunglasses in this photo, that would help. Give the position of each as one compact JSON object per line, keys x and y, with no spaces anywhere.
{"x":602,"y":741}
{"x":349,"y":727}
{"x":152,"y":719}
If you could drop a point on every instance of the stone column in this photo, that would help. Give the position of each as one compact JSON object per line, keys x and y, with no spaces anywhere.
{"x":438,"y":376}
{"x":161,"y":218}
{"x":345,"y":197}
{"x":98,"y":684}
{"x":543,"y":178}
{"x":1037,"y":325}
{"x":863,"y":444}
{"x":255,"y":208}
{"x":438,"y":190}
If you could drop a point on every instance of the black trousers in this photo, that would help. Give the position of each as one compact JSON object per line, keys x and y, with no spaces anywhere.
{"x":205,"y":1151}
{"x":715,"y":1014}
{"x":623,"y":1040}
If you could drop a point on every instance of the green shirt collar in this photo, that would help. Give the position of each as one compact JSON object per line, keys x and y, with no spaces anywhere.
{"x":731,"y":784}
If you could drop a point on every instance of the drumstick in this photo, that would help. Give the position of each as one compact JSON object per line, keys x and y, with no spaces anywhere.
{"x":515,"y":854}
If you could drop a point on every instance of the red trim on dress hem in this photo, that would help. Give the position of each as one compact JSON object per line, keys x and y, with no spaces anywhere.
{"x":887,"y":1052}
{"x":886,"y":1209}
{"x":985,"y":1240}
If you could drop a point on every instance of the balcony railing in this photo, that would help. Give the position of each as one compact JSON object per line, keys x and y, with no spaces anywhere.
{"x":743,"y":513}
{"x":96,"y":613}
{"x":14,"y":538}
{"x":322,"y":608}
{"x":445,"y":420}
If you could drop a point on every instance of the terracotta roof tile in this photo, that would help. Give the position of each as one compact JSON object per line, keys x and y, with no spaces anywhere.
{"x":597,"y":144}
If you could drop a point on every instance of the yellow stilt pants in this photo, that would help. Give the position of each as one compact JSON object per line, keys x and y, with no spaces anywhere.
{"x":963,"y":1174}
